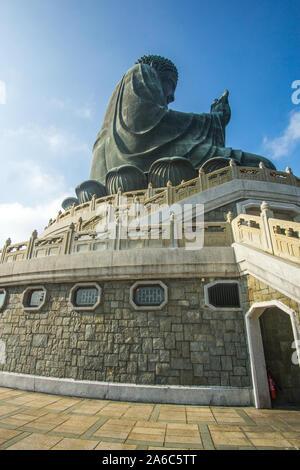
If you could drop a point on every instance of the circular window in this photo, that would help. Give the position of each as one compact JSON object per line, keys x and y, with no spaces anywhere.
{"x":145,"y":295}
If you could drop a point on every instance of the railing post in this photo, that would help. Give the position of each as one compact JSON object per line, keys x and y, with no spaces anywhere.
{"x":4,"y":250}
{"x":229,"y":229}
{"x":202,"y":180}
{"x":93,"y":203}
{"x":173,"y":238}
{"x":264,"y":172}
{"x":30,"y":245}
{"x":234,"y":169}
{"x":150,"y":191}
{"x":68,"y":239}
{"x":265,"y":214}
{"x":291,"y":177}
{"x":170,"y":193}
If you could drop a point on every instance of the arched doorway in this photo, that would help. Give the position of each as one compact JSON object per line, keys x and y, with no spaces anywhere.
{"x":272,"y":332}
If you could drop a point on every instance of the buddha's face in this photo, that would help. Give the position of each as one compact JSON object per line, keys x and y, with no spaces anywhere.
{"x":168,"y":82}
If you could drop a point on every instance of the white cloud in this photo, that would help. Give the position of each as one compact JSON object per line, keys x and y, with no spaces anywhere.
{"x":84,"y":112}
{"x":2,"y":92}
{"x":18,"y":221}
{"x":49,"y":138}
{"x":282,"y":146}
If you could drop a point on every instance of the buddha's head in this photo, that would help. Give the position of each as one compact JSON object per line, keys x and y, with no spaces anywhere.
{"x":167,"y":73}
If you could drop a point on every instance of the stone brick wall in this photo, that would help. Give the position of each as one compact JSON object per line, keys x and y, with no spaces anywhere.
{"x":261,"y":292}
{"x":185,"y":343}
{"x":219,"y":214}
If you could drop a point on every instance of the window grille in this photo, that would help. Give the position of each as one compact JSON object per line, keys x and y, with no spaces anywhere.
{"x":86,"y":296}
{"x":149,"y":295}
{"x":36,"y":298}
{"x":224,"y":295}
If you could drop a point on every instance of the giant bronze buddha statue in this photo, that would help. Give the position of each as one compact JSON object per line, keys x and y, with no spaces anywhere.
{"x":141,"y":141}
{"x":139,"y":129}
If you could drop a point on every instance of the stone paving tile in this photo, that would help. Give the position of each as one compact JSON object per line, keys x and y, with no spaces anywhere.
{"x":20,"y":400}
{"x":7,"y":393}
{"x":223,"y":428}
{"x":7,"y":409}
{"x":35,"y":442}
{"x":76,"y":425}
{"x":47,"y":422}
{"x":115,"y":429}
{"x":139,"y":412}
{"x":172,"y":413}
{"x":75,"y":444}
{"x":41,"y":402}
{"x":268,"y":439}
{"x":62,"y":405}
{"x":31,"y":420}
{"x":90,"y":407}
{"x":230,"y":438}
{"x":8,"y":434}
{"x":183,"y":434}
{"x":115,"y":446}
{"x":227,"y":416}
{"x":153,"y":433}
{"x":114,"y":409}
{"x":198,"y":415}
{"x":17,"y":420}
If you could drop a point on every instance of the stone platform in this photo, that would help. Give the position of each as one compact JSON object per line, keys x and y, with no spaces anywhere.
{"x":37,"y":421}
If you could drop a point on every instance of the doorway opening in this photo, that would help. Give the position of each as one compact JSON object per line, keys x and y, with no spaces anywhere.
{"x":274,"y":346}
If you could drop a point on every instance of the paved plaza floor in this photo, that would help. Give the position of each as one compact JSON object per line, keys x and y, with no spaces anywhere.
{"x":37,"y":421}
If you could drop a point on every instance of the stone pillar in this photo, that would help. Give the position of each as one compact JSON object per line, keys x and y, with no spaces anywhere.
{"x":4,"y":250}
{"x":170,"y":193}
{"x":265,"y":214}
{"x":150,"y":191}
{"x":234,"y":169}
{"x":93,"y":203}
{"x":229,"y":230}
{"x":30,"y":245}
{"x":264,"y":172}
{"x":202,"y":180}
{"x":291,"y":177}
{"x":173,"y":236}
{"x":68,"y":240}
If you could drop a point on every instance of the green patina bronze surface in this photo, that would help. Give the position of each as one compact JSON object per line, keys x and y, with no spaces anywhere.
{"x":139,"y":129}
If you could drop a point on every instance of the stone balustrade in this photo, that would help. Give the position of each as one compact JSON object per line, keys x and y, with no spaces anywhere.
{"x":275,"y":236}
{"x":122,"y":235}
{"x":173,"y":194}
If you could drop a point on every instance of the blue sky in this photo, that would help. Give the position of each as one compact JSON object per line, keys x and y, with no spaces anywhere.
{"x":61,"y":59}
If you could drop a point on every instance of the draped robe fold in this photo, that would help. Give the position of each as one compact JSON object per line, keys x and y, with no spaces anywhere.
{"x":139,"y":128}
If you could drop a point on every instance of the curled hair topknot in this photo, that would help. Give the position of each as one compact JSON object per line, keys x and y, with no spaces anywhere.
{"x":161,"y":64}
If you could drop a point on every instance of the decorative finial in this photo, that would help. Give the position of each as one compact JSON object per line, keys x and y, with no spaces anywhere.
{"x":232,"y":162}
{"x":261,"y":165}
{"x":229,"y":217}
{"x":264,"y":206}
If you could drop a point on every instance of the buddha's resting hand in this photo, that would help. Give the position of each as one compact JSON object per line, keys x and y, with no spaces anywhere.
{"x":221,"y":106}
